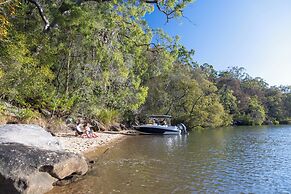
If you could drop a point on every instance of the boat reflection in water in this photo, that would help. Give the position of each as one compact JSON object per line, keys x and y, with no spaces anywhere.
{"x":175,"y":142}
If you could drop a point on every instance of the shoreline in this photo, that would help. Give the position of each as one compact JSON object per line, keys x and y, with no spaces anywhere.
{"x":84,"y":146}
{"x":43,"y":160}
{"x":90,"y":148}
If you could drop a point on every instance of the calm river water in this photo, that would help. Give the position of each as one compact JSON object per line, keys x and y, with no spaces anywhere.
{"x":226,"y":160}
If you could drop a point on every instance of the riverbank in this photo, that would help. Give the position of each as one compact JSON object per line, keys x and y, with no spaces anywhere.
{"x":90,"y":148}
{"x":40,"y":160}
{"x":84,"y":146}
{"x":227,"y":160}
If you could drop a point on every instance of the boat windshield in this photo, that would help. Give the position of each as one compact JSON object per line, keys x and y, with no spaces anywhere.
{"x":159,"y":120}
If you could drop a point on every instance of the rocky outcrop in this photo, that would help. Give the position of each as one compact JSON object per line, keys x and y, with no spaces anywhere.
{"x":30,"y":135}
{"x":31,"y":160}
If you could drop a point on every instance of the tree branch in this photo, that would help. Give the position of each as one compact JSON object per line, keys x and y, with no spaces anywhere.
{"x":41,"y":13}
{"x":193,"y":106}
{"x":8,"y":1}
{"x":169,"y":13}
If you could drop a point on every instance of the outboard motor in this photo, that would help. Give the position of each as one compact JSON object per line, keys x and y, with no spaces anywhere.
{"x":183,"y":128}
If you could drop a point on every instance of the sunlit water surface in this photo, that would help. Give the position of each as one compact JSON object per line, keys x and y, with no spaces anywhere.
{"x":226,"y":160}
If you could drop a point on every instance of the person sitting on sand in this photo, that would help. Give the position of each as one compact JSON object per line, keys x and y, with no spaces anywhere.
{"x":79,"y":130}
{"x":89,"y":132}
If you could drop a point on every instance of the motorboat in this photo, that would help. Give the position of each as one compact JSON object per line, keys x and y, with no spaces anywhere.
{"x":161,"y":124}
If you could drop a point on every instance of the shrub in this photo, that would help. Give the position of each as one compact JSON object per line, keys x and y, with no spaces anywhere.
{"x":62,"y":106}
{"x":243,"y":119}
{"x":107,"y":116}
{"x":27,"y":114}
{"x":2,"y":109}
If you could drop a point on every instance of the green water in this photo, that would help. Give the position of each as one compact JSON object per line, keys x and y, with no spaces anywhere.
{"x":226,"y":160}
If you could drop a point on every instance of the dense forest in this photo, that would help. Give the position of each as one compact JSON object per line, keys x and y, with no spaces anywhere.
{"x":101,"y":60}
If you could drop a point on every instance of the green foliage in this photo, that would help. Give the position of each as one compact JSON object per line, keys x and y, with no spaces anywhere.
{"x":7,"y":9}
{"x":99,"y":60}
{"x":192,"y":100}
{"x":228,"y":100}
{"x":108,"y":116}
{"x":23,"y":80}
{"x":62,"y":106}
{"x":274,"y":104}
{"x":27,"y":114}
{"x":287,"y":105}
{"x":243,"y":119}
{"x":256,"y":112}
{"x":2,"y":109}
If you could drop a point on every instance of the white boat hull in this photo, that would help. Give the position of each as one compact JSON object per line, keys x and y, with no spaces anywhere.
{"x":159,"y":129}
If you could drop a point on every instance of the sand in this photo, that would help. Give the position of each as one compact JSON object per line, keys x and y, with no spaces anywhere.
{"x":84,"y":145}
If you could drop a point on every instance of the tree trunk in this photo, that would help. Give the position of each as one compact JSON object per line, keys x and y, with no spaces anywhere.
{"x":68,"y":72}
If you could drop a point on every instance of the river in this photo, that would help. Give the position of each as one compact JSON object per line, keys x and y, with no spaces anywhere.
{"x":224,"y":160}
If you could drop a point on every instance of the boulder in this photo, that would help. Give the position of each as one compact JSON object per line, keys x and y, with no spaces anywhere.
{"x":33,"y":165}
{"x":30,"y":135}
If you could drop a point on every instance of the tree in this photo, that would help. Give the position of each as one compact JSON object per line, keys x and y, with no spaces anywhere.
{"x":274,"y":104}
{"x":189,"y":99}
{"x":171,"y":9}
{"x":228,"y":100}
{"x":287,"y":105}
{"x":7,"y":9}
{"x":92,"y":64}
{"x":256,"y":112}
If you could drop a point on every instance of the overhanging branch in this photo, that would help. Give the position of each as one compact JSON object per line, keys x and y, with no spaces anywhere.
{"x":41,"y":13}
{"x":169,"y":13}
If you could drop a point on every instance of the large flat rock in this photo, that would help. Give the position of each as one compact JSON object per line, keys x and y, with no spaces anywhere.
{"x":30,"y":135}
{"x":33,"y":165}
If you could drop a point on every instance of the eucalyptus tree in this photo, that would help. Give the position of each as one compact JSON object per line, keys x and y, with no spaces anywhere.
{"x":188,"y":96}
{"x":93,"y":55}
{"x":170,"y":8}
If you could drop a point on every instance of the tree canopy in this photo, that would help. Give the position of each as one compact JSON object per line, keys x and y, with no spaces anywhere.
{"x":98,"y":59}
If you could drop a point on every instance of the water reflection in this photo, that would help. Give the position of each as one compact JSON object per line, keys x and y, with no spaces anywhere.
{"x":227,"y":160}
{"x":174,"y":142}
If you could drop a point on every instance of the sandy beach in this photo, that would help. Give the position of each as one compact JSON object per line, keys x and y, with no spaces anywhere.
{"x":84,"y":145}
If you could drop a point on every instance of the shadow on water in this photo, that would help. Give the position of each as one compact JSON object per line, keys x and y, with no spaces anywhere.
{"x":232,"y":160}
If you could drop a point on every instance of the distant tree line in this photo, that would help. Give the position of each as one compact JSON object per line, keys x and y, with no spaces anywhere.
{"x":98,"y":60}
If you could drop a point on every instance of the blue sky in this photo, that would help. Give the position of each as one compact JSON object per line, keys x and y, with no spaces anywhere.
{"x":254,"y":34}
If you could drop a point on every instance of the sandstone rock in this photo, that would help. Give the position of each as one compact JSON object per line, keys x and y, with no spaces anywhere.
{"x":25,"y":169}
{"x":73,"y":165}
{"x":31,"y":160}
{"x":30,"y":135}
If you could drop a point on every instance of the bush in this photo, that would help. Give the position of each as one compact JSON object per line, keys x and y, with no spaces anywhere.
{"x":63,"y":106}
{"x":2,"y":109}
{"x":27,"y":114}
{"x":107,"y":116}
{"x":243,"y":119}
